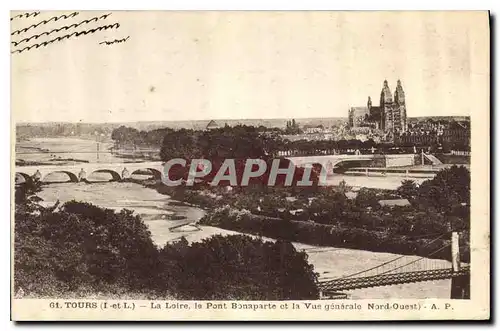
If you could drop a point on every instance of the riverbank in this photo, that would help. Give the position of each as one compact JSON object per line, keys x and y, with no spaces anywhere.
{"x":52,"y":150}
{"x":371,"y":230}
{"x":324,"y":235}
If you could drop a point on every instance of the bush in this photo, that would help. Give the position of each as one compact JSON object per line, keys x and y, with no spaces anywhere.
{"x":81,"y":249}
{"x":366,"y":198}
{"x":82,"y":245}
{"x":450,"y":187}
{"x":237,"y":268}
{"x":408,"y":190}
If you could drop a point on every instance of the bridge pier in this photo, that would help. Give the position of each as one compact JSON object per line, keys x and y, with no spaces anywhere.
{"x":82,"y":175}
{"x":460,"y":285}
{"x":125,"y":173}
{"x":37,"y":175}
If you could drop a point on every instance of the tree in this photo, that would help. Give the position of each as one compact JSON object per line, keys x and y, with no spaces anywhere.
{"x":448,"y":188}
{"x":180,"y":144}
{"x":25,"y":196}
{"x":238,"y":268}
{"x":343,"y":187}
{"x":329,"y":208}
{"x":125,"y":135}
{"x":366,"y":198}
{"x":448,"y":193}
{"x":408,"y":189}
{"x":81,"y":246}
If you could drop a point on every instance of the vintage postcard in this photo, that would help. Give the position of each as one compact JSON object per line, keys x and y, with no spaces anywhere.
{"x":233,"y":165}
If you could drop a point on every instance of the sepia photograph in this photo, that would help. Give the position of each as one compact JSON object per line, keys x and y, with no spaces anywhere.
{"x":249,"y":165}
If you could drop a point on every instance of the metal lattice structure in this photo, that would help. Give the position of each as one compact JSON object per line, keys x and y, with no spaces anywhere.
{"x":400,"y":270}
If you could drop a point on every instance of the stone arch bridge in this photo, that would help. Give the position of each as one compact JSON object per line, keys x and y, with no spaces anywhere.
{"x":82,"y":171}
{"x":124,"y":170}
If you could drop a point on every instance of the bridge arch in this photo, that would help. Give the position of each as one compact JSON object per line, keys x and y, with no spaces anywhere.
{"x":115,"y":175}
{"x":73,"y":178}
{"x":348,"y":163}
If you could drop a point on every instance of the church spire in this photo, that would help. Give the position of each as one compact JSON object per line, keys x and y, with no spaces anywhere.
{"x":385,"y":94}
{"x":400,"y":107}
{"x":399,"y":94}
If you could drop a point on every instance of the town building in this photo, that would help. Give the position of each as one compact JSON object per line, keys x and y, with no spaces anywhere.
{"x":357,"y":116}
{"x":457,"y":135}
{"x":416,"y":139}
{"x":448,"y":134}
{"x":212,"y":125}
{"x":389,"y":116}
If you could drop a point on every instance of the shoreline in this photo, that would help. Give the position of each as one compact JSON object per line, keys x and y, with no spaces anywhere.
{"x":401,"y":243}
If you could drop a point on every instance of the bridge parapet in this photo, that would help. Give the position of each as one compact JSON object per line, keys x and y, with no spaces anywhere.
{"x":78,"y":172}
{"x":330,"y":161}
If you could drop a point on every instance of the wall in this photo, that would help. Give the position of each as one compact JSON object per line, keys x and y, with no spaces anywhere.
{"x":399,"y":160}
{"x":378,"y":162}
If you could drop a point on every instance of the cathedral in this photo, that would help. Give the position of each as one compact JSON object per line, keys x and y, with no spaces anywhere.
{"x":389,"y":116}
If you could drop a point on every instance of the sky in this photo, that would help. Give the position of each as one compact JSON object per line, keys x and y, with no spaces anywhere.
{"x":238,"y":65}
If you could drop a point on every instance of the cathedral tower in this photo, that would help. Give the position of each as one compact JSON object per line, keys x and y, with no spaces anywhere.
{"x":386,"y":108}
{"x":400,"y":121}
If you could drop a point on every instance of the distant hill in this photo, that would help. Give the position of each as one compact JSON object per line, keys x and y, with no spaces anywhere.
{"x":201,"y":124}
{"x":68,"y":129}
{"x":27,"y":130}
{"x":441,"y":118}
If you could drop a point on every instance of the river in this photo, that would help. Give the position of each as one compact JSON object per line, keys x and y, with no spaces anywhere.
{"x":56,"y":150}
{"x":156,"y":210}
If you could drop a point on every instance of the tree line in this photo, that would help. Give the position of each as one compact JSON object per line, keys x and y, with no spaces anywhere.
{"x":249,"y":142}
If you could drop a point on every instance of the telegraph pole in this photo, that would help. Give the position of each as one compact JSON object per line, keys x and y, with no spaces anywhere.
{"x":455,"y":252}
{"x":97,"y":144}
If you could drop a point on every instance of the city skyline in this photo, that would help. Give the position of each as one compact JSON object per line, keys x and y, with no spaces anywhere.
{"x":344,"y":118}
{"x":179,"y":66}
